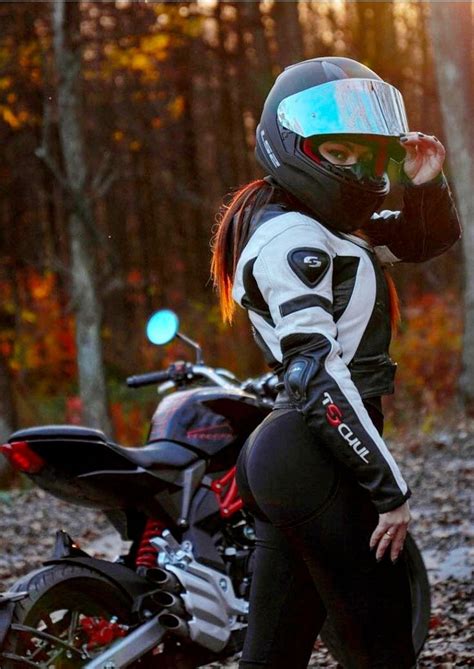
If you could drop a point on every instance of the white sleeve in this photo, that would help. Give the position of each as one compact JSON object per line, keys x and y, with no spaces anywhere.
{"x":294,"y":274}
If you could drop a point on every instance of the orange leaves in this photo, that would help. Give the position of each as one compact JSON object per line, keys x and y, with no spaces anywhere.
{"x":176,"y":107}
{"x":156,"y":45}
{"x":5,"y":83}
{"x":130,"y":423}
{"x":135,"y":145}
{"x":141,"y":57}
{"x":40,"y":337}
{"x":21,"y":76}
{"x":135,"y":278}
{"x":140,"y":61}
{"x":428,"y":351}
{"x":15,"y":119}
{"x":74,"y":410}
{"x":41,"y":285}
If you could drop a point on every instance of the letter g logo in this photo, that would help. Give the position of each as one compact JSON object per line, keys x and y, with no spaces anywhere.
{"x":312,"y":261}
{"x":333,"y":415}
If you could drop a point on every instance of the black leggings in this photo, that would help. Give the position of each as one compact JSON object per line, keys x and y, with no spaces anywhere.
{"x":312,"y":560}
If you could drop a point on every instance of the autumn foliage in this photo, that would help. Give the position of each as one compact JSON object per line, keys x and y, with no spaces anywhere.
{"x":171,"y":96}
{"x":40,"y":348}
{"x":428,"y":352}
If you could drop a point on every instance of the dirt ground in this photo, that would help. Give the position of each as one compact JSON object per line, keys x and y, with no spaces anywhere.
{"x":439,"y":469}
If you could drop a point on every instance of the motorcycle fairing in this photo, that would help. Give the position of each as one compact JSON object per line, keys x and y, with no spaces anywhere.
{"x":182,"y":416}
{"x":206,"y":419}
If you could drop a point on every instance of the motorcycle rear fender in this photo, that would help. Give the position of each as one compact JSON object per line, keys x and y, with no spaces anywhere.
{"x":7,"y":601}
{"x":126,"y":580}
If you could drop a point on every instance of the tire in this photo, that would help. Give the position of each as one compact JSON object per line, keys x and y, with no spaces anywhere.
{"x":56,"y":596}
{"x":420,"y":594}
{"x":420,"y":603}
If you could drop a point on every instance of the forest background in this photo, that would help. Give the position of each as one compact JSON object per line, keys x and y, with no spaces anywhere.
{"x":122,"y":126}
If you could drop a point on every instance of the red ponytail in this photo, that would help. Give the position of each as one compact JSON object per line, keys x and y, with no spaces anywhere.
{"x":395,"y":316}
{"x":233,"y":226}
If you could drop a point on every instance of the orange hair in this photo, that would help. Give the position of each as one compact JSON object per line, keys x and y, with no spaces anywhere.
{"x":394,"y":301}
{"x":233,"y":220}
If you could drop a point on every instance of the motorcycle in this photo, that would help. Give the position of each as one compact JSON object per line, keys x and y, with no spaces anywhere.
{"x":178,"y":599}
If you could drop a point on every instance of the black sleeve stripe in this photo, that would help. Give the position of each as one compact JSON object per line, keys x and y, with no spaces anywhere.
{"x":304,"y":341}
{"x":252,"y":291}
{"x":265,"y":314}
{"x":304,"y":302}
{"x":344,"y":278}
{"x":253,"y":298}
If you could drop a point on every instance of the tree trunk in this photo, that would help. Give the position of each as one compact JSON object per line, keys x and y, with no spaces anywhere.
{"x":255,"y":55}
{"x":86,"y":304}
{"x":376,"y":36}
{"x":451,"y":28}
{"x":288,"y":33}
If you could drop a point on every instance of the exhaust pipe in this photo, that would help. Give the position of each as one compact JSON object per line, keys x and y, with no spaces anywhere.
{"x":170,"y":602}
{"x":165,"y":579}
{"x":174,"y":624}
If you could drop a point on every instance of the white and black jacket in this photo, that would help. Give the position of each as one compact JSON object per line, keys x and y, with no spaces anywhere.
{"x":319,"y":306}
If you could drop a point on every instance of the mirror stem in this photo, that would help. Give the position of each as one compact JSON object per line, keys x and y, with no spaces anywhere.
{"x":195,"y":345}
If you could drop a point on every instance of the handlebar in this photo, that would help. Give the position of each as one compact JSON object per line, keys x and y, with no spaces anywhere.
{"x":149,"y":379}
{"x":266,"y":386}
{"x":179,"y":372}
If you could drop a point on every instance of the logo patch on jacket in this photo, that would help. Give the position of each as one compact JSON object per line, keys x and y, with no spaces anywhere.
{"x":309,"y":264}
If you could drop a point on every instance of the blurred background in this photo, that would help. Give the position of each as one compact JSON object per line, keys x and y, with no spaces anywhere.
{"x":122,"y":127}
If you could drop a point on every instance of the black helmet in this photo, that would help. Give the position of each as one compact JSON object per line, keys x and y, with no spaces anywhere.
{"x":314,"y":101}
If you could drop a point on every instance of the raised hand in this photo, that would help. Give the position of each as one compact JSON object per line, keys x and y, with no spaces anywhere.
{"x":424,"y":157}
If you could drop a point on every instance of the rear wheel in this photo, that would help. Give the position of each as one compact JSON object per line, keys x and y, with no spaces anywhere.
{"x":420,"y":602}
{"x":70,"y":614}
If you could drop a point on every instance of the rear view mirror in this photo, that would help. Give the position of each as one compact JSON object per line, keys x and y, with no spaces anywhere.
{"x":162,"y":327}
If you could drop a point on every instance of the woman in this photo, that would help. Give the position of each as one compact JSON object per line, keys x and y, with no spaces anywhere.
{"x":303,"y":250}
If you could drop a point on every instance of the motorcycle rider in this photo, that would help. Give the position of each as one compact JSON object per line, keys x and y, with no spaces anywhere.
{"x":303,"y":251}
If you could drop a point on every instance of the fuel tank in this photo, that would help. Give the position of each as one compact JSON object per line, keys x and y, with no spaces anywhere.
{"x":211,"y":421}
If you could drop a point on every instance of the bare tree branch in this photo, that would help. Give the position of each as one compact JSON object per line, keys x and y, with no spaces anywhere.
{"x":104,"y":177}
{"x":43,"y":152}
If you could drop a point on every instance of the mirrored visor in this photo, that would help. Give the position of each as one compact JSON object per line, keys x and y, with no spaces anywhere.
{"x":346,"y":106}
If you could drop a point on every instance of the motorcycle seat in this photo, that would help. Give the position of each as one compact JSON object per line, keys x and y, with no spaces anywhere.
{"x":63,"y":432}
{"x":159,"y":455}
{"x":163,"y":454}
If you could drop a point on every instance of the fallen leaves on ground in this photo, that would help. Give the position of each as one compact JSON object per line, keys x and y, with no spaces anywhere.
{"x":439,"y":469}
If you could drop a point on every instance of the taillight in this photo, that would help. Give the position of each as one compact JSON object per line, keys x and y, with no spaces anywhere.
{"x":22,"y":457}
